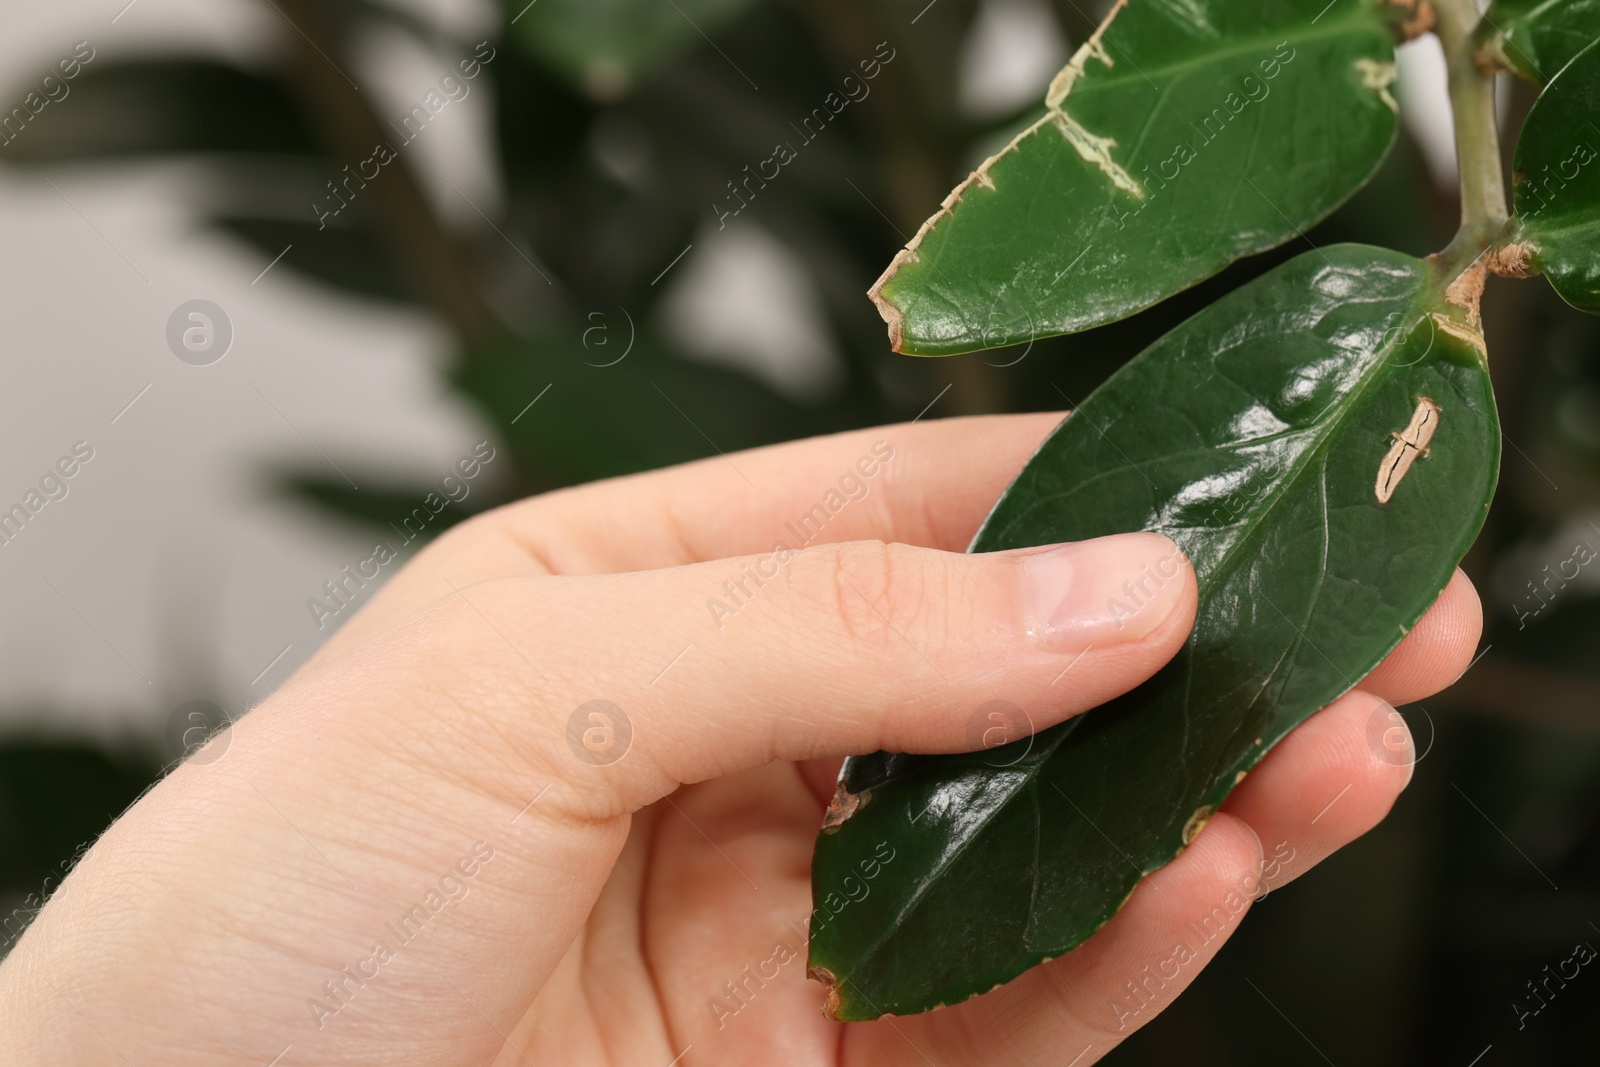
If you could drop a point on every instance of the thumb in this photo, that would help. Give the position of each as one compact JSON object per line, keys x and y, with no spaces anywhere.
{"x":827,"y":651}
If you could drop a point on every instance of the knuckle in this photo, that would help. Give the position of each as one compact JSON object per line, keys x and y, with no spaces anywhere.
{"x":881,"y":595}
{"x":456,"y":542}
{"x":531,"y":528}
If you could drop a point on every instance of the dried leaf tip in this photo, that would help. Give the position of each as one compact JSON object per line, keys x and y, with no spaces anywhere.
{"x":893,"y":317}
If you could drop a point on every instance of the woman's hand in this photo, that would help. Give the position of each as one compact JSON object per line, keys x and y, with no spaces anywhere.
{"x":550,"y":797}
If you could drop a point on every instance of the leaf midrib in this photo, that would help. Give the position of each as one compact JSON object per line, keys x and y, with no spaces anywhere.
{"x":1353,"y":397}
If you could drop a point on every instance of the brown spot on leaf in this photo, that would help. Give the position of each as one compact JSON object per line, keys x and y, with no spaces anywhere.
{"x":1409,"y":444}
{"x":1467,"y":290}
{"x":1463,"y":294}
{"x":830,"y":1003}
{"x":1514,"y":260}
{"x":841,"y":807}
{"x":1460,"y":331}
{"x":1196,"y":823}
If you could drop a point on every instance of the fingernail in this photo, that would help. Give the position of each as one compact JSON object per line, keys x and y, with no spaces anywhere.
{"x":1102,"y":592}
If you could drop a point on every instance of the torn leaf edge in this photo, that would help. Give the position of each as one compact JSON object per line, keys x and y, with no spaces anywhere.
{"x":1093,"y":148}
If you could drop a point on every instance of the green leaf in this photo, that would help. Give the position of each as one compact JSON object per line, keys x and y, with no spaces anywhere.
{"x":144,"y":107}
{"x":1536,"y":38}
{"x":600,"y":400}
{"x":353,"y":258}
{"x":607,"y":47}
{"x":1557,"y":182}
{"x":387,"y":508}
{"x":1186,"y":134}
{"x":1253,"y":436}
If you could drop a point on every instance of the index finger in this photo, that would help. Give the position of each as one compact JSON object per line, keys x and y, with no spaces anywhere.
{"x":928,"y":484}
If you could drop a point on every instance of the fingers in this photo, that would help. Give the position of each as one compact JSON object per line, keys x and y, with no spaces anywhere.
{"x":1326,"y":784}
{"x":925,"y":483}
{"x":1088,"y":1001}
{"x":1436,"y":651}
{"x":1429,"y":659}
{"x":832,"y":650}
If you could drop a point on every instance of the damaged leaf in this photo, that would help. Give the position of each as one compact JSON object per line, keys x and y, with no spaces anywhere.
{"x":1182,"y":136}
{"x":1536,"y":38}
{"x":1557,"y":188}
{"x":1251,"y":435}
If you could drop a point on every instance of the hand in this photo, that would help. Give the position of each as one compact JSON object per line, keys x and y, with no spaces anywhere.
{"x":425,"y":849}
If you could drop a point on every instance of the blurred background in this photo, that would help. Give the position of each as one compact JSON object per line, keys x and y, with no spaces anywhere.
{"x":276,"y":344}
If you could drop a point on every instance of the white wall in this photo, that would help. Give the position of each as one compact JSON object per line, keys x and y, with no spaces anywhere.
{"x":167,"y":559}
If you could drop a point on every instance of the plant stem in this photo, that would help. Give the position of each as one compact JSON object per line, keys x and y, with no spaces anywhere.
{"x":1483,"y":191}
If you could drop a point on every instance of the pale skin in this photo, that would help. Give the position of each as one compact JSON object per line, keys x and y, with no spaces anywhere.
{"x":212,"y":912}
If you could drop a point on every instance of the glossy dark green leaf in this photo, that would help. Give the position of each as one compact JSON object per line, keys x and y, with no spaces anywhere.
{"x":1536,"y":38}
{"x":143,"y":107}
{"x":607,"y":47}
{"x":1253,"y":436}
{"x":1191,"y":133}
{"x":1557,"y":188}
